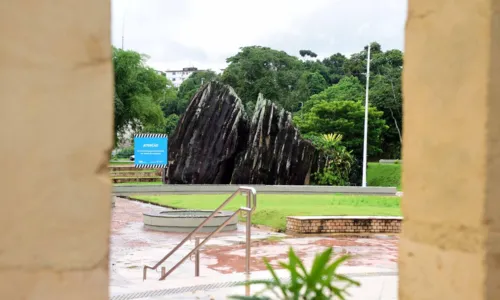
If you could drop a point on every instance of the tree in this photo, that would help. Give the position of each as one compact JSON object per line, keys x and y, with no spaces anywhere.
{"x":386,"y":95}
{"x":188,"y":88}
{"x":313,"y":83}
{"x":309,"y":84}
{"x":345,"y":118}
{"x":338,"y":160}
{"x":171,"y":123}
{"x":169,"y":100}
{"x":273,"y":73}
{"x":316,"y":66}
{"x":348,"y":88}
{"x":298,"y":85}
{"x":139,"y":92}
{"x":336,"y":67}
{"x":356,"y":64}
{"x":385,"y":88}
{"x":309,"y":53}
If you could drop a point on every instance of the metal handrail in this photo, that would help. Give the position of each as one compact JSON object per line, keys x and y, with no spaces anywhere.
{"x":249,"y":209}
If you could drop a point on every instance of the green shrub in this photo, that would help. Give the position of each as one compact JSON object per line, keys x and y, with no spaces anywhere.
{"x":317,"y":284}
{"x":386,"y":175}
{"x":125,"y":152}
{"x":338,"y":160}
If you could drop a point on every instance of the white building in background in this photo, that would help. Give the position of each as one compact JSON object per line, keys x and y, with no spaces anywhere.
{"x":178,"y":76}
{"x":160,"y":73}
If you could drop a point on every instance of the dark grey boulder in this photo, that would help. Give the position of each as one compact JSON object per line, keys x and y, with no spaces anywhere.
{"x":208,"y":137}
{"x":215,"y":143}
{"x":275,"y":154}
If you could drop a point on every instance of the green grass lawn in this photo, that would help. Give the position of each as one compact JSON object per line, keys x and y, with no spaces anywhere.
{"x":272,"y":210}
{"x":140,"y":183}
{"x":120,"y":162}
{"x":386,"y":175}
{"x":138,"y":170}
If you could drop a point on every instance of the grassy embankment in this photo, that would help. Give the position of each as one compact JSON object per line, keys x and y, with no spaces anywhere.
{"x":384,"y":175}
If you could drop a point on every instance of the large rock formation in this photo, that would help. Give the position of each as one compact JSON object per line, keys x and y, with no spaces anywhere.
{"x":208,"y":137}
{"x":215,"y":143}
{"x":275,"y":153}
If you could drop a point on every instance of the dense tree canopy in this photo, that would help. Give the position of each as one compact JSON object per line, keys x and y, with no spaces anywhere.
{"x":190,"y":86}
{"x":273,"y":73}
{"x":139,"y":92}
{"x":170,"y":123}
{"x":345,"y":118}
{"x":386,"y":95}
{"x":347,"y":79}
{"x":335,"y":67}
{"x":348,"y":88}
{"x":178,"y":104}
{"x":309,"y":53}
{"x":326,"y":96}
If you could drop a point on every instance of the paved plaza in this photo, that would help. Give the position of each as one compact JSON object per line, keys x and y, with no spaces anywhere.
{"x":374,"y":261}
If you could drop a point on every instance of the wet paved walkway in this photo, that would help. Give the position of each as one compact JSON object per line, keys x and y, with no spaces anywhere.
{"x":222,"y":259}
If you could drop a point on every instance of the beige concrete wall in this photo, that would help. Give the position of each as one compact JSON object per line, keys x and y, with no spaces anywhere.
{"x":450,"y":247}
{"x":55,"y":134}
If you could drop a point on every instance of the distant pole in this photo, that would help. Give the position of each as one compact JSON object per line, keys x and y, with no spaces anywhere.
{"x":365,"y":140}
{"x":123,"y":31}
{"x":123,"y":27}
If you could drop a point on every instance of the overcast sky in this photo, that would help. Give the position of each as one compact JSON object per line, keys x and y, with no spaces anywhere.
{"x":203,"y":33}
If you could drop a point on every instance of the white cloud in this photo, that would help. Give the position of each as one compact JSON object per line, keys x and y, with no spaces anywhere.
{"x":203,"y":33}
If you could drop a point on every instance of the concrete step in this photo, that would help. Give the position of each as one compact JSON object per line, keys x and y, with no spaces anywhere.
{"x":136,"y":179}
{"x":130,"y":168}
{"x":136,"y":173}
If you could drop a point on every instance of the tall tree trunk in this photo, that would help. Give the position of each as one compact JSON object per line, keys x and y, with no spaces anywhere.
{"x":392,"y":114}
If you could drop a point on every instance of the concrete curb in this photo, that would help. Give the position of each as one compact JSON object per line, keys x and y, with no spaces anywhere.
{"x":124,"y":190}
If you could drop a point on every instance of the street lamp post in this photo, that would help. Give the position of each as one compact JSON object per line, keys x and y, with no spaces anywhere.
{"x":365,"y":140}
{"x":123,"y":30}
{"x":123,"y":24}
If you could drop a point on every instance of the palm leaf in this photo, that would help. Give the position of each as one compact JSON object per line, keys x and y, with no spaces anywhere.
{"x":277,"y":280}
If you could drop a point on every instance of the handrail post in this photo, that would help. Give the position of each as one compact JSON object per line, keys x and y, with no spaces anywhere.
{"x":251,"y":195}
{"x":196,"y":258}
{"x":247,"y":286}
{"x":248,"y":241}
{"x":191,"y":233}
{"x":206,"y":239}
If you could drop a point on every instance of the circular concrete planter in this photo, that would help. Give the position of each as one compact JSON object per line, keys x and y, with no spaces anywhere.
{"x":188,"y":220}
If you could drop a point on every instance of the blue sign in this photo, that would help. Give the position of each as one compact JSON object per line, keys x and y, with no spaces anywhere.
{"x":150,"y":150}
